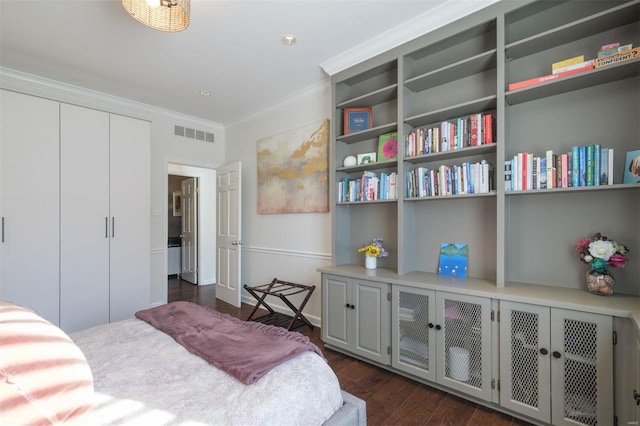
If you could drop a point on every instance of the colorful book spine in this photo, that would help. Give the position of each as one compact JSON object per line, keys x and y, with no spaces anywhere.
{"x":589,"y":178}
{"x":582,"y":161}
{"x":596,"y":164}
{"x":564,"y":158}
{"x":547,"y":78}
{"x":507,"y":176}
{"x":623,"y":56}
{"x":575,"y":166}
{"x":543,"y":172}
{"x":604,"y":166}
{"x":551,"y":179}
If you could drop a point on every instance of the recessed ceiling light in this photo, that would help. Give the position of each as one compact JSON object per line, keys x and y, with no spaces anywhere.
{"x":288,"y":40}
{"x":205,"y":93}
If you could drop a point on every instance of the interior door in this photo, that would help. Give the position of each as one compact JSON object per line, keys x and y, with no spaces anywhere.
{"x":229,"y":235}
{"x":190,"y":230}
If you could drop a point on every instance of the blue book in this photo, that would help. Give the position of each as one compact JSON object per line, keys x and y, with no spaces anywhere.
{"x":575,"y":166}
{"x":582,"y":165}
{"x":596,"y":165}
{"x":604,"y":166}
{"x":454,"y":259}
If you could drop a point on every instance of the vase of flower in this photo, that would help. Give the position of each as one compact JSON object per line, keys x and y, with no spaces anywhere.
{"x":600,"y":283}
{"x":370,"y":262}
{"x":601,"y":253}
{"x":372,"y":251}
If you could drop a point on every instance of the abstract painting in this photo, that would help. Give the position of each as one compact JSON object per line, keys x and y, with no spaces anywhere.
{"x":293,"y":171}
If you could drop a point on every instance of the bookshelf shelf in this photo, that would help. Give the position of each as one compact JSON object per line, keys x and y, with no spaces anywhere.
{"x":381,"y":165}
{"x":486,"y":103}
{"x":456,"y":153}
{"x":371,"y":133}
{"x":615,"y":187}
{"x":379,"y":96}
{"x":599,"y":22}
{"x":359,"y":203}
{"x":575,"y":82}
{"x":449,"y":197}
{"x":464,"y":68}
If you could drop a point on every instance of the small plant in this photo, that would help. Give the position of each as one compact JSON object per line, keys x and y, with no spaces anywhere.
{"x":374,"y":249}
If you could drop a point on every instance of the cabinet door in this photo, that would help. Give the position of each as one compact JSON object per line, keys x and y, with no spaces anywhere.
{"x":371,"y":316}
{"x":84,"y":217}
{"x":525,"y":359}
{"x":29,"y":172}
{"x":130,"y":206}
{"x":581,"y":368}
{"x":412,"y":331}
{"x":336,"y":308}
{"x":463,"y":330}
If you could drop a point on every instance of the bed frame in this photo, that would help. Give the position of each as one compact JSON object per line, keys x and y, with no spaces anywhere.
{"x":353,"y":412}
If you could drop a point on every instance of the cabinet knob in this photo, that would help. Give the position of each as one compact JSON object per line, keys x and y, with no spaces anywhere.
{"x":543,"y":351}
{"x":353,"y":306}
{"x":636,"y":396}
{"x":347,"y":305}
{"x":438,"y":327}
{"x":556,"y":354}
{"x":430,"y":325}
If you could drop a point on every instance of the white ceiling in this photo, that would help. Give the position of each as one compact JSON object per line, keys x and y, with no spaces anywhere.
{"x":231,"y":48}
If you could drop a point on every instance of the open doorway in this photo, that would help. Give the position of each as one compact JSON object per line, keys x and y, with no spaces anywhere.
{"x":200,"y":266}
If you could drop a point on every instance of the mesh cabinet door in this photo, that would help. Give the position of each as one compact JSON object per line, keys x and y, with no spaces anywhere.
{"x":413,"y":319}
{"x":463,"y":334}
{"x":581,"y":368}
{"x":525,"y":359}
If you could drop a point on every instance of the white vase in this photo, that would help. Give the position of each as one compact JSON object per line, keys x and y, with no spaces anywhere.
{"x":370,"y":262}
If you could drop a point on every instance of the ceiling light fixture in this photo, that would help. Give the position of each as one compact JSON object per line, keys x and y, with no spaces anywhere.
{"x":205,"y":93}
{"x":288,"y":40}
{"x":163,"y":15}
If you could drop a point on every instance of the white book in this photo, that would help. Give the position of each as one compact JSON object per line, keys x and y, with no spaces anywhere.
{"x":610,"y":172}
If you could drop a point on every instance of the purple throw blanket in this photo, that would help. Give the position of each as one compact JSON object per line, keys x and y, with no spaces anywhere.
{"x":245,"y":350}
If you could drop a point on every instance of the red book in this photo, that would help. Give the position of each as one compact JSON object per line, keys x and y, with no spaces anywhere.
{"x":545,"y":78}
{"x":488,"y":128}
{"x":565,"y":167}
{"x":474,"y":130}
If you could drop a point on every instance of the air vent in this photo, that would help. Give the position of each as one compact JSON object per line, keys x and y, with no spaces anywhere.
{"x":200,"y":135}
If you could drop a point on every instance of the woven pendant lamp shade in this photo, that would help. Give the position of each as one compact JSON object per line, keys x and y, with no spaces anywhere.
{"x":169,"y":15}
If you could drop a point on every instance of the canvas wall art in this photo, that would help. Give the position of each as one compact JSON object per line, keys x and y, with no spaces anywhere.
{"x":293,"y":171}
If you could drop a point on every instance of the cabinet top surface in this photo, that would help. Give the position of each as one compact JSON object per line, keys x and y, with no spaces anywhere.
{"x":619,"y":305}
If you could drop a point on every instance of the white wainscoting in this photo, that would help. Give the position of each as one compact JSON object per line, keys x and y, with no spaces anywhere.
{"x":260,"y":265}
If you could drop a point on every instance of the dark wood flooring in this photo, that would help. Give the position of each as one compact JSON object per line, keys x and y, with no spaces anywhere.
{"x":391,"y":399}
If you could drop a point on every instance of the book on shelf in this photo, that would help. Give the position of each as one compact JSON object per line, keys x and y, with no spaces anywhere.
{"x":566,"y":63}
{"x":574,"y":66}
{"x":368,"y":187}
{"x":546,"y":78}
{"x":461,"y":132}
{"x":627,"y":55}
{"x":591,"y":166}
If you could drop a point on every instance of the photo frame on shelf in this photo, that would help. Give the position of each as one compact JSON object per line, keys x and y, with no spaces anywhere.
{"x":177,"y":203}
{"x":357,"y":119}
{"x":366,"y":158}
{"x":454,"y":259}
{"x":632,"y":167}
{"x":388,"y":146}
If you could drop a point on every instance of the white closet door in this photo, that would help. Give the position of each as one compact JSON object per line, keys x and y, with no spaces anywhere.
{"x":84,"y":218}
{"x":29,"y":191}
{"x":130,"y":195}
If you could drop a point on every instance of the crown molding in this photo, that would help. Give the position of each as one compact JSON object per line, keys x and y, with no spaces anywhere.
{"x":441,"y":15}
{"x":317,"y":89}
{"x":51,"y":89}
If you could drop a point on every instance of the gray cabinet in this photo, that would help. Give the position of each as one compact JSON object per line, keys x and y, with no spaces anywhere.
{"x":355,"y":316}
{"x":443,"y":337}
{"x":556,"y":365}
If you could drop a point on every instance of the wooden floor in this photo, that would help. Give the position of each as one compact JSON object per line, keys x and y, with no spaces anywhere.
{"x":391,"y":399}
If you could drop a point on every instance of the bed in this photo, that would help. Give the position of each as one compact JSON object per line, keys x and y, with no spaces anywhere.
{"x":131,"y":373}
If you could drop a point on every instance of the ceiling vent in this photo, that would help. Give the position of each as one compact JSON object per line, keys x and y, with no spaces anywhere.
{"x":200,"y":135}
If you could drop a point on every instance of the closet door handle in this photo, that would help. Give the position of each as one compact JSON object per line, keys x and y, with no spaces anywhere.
{"x":556,"y":354}
{"x":3,"y":229}
{"x":106,"y":227}
{"x":113,"y":227}
{"x":543,"y":351}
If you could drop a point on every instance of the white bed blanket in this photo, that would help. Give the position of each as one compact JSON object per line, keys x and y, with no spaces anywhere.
{"x":143,"y":377}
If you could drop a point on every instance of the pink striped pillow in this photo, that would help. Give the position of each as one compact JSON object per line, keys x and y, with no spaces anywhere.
{"x":44,"y":377}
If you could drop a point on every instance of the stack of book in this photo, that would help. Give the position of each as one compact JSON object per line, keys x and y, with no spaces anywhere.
{"x":609,"y":54}
{"x":468,"y":178}
{"x":589,"y":165}
{"x":462,"y":132}
{"x":368,"y":187}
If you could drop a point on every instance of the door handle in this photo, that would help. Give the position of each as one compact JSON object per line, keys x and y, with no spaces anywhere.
{"x":106,"y":227}
{"x":113,"y":227}
{"x":3,"y":229}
